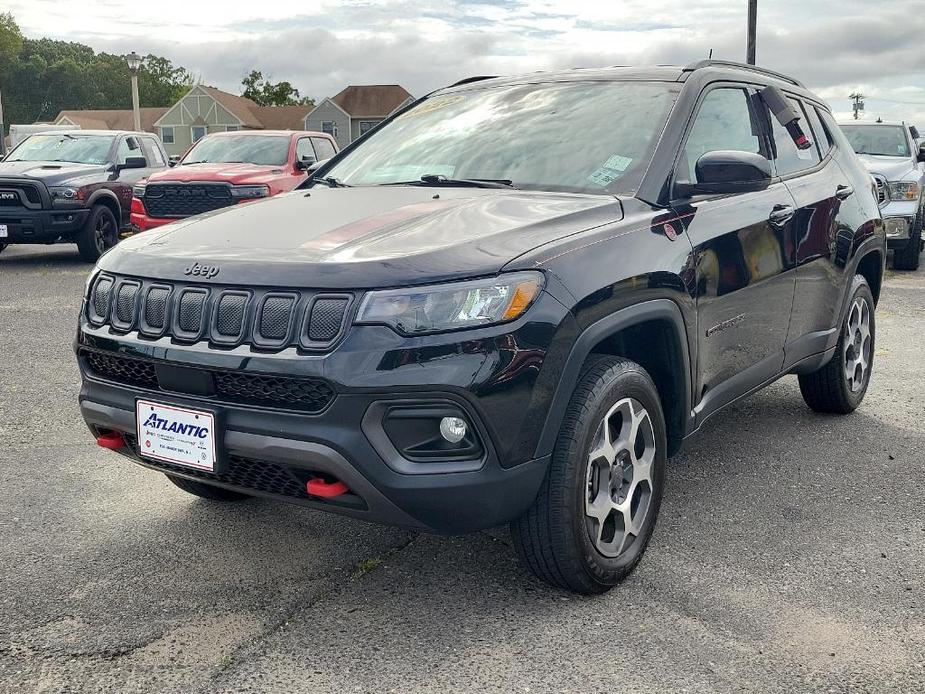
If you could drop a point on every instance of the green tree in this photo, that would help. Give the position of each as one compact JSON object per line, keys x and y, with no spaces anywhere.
{"x":266,"y":93}
{"x":10,"y":40}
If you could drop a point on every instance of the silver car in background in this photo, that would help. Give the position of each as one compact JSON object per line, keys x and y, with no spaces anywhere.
{"x":897,"y":162}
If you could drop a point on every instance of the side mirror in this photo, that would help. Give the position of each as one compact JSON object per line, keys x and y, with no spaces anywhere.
{"x":315,"y":166}
{"x":173,"y":160}
{"x":305,"y":163}
{"x":730,"y":171}
{"x":133,"y":163}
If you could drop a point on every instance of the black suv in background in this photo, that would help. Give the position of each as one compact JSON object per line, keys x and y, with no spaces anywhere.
{"x":511,"y":302}
{"x":74,"y":186}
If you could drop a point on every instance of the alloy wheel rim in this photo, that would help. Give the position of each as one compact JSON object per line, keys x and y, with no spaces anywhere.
{"x":858,"y":343}
{"x":618,"y":490}
{"x":101,"y":237}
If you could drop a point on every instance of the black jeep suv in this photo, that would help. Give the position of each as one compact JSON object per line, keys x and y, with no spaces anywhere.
{"x":74,"y":186}
{"x":510,"y":302}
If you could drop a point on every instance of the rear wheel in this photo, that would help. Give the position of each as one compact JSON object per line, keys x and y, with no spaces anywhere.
{"x":596,"y":509}
{"x":908,"y":257}
{"x":100,"y":233}
{"x":839,"y":386}
{"x":207,"y":491}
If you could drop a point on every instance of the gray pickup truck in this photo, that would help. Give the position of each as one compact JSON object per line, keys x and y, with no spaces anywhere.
{"x":897,"y":162}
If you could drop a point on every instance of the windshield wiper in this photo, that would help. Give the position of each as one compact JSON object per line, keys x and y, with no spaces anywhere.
{"x":331,"y":182}
{"x":441,"y":180}
{"x":201,"y":161}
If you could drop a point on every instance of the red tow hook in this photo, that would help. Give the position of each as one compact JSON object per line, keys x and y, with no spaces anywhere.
{"x":326,"y":490}
{"x":113,"y":441}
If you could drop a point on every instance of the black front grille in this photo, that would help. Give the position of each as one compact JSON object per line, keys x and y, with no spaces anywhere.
{"x":240,"y":472}
{"x":109,"y":367}
{"x":267,"y":320}
{"x":20,"y":189}
{"x":311,"y":395}
{"x":186,"y":199}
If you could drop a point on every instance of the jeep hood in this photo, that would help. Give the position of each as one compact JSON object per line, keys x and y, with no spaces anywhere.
{"x":894,"y":168}
{"x":226,"y":173}
{"x":362,"y":237}
{"x":54,"y":173}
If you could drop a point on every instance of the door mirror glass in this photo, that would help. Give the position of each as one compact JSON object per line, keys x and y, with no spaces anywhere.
{"x":315,"y":166}
{"x":921,"y":156}
{"x":173,"y":160}
{"x":305,"y":163}
{"x":730,"y":171}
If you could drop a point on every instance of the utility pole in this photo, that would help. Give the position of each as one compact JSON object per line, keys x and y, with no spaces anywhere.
{"x":752,"y":31}
{"x":858,"y":103}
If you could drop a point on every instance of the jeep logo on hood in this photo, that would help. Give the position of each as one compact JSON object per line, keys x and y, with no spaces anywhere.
{"x":202,"y":270}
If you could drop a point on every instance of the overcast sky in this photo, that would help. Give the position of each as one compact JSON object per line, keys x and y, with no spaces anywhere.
{"x":324,"y":45}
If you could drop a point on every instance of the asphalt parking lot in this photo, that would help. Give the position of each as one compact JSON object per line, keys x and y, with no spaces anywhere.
{"x":789,"y":555}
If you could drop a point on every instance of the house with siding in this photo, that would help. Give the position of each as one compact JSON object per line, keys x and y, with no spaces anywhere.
{"x":202,"y":110}
{"x":355,"y":110}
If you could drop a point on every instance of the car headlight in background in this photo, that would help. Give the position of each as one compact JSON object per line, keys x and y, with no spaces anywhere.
{"x":904,"y":190}
{"x":249,"y":191}
{"x":440,"y":307}
{"x":138,"y":190}
{"x":66,"y":194}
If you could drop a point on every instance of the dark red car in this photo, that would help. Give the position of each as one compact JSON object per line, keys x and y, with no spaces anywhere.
{"x":224,"y":169}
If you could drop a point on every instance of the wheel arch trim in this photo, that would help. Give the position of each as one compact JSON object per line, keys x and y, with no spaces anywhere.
{"x":107,"y":197}
{"x":661,"y":310}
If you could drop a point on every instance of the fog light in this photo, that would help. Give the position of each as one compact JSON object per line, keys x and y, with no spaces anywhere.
{"x":453,"y":429}
{"x":896,"y":227}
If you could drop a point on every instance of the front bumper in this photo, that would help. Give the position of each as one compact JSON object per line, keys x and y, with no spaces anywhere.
{"x":26,"y":225}
{"x":142,"y":222}
{"x":272,"y":450}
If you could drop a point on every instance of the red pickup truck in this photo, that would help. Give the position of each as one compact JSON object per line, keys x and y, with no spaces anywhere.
{"x":224,"y":169}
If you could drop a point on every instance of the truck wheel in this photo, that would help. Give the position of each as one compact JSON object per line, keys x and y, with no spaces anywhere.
{"x":839,"y":386}
{"x":596,"y":509}
{"x":99,"y":233}
{"x":207,"y":491}
{"x":907,"y":257}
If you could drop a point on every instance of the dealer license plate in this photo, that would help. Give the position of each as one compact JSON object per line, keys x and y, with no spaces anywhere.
{"x":176,"y":435}
{"x":3,"y":231}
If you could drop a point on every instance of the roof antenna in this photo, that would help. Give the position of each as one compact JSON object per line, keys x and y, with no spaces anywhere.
{"x":711,"y":54}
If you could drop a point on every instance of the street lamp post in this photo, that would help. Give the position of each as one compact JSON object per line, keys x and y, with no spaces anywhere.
{"x":134,"y":62}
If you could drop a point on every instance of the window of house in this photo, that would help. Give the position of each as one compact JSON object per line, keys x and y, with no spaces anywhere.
{"x":724,"y":121}
{"x":329,"y":127}
{"x":367,"y":125}
{"x":232,"y":128}
{"x":323,"y":148}
{"x":304,"y":150}
{"x":167,"y":134}
{"x":197,"y":132}
{"x":789,"y":158}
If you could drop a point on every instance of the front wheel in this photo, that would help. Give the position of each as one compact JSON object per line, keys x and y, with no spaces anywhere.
{"x":100,"y":233}
{"x":839,"y":386}
{"x":596,"y":509}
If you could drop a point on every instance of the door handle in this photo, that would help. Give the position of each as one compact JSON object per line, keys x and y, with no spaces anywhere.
{"x":844,"y":192}
{"x":780,"y":215}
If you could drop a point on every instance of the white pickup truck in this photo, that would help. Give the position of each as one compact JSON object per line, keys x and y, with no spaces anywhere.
{"x":897,"y":162}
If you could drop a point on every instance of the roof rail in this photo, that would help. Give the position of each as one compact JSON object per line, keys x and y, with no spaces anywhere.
{"x":741,"y":66}
{"x":467,"y":80}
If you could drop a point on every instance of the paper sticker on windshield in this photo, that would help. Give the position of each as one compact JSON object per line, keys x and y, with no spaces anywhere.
{"x":610,"y":170}
{"x":432,"y":105}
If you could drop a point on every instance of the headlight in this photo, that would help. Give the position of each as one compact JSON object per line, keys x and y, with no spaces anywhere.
{"x":66,"y":194}
{"x":138,"y":190}
{"x":904,"y":190}
{"x":440,"y":307}
{"x":249,"y":191}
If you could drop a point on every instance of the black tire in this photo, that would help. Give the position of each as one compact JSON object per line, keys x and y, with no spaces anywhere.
{"x":207,"y":491}
{"x":908,"y":257}
{"x":554,"y":537}
{"x":100,"y":232}
{"x":3,"y":247}
{"x":830,"y":389}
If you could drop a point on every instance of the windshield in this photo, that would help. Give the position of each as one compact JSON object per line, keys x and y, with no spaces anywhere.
{"x":71,"y":147}
{"x":884,"y":140}
{"x":267,"y":150}
{"x":575,"y":136}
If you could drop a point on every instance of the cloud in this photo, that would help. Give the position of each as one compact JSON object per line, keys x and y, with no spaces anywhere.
{"x":423,"y":44}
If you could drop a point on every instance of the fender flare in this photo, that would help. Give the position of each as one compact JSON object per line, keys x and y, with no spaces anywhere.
{"x":98,"y":195}
{"x":655,"y":309}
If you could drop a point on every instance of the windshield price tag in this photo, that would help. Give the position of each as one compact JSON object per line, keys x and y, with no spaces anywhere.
{"x":610,"y":171}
